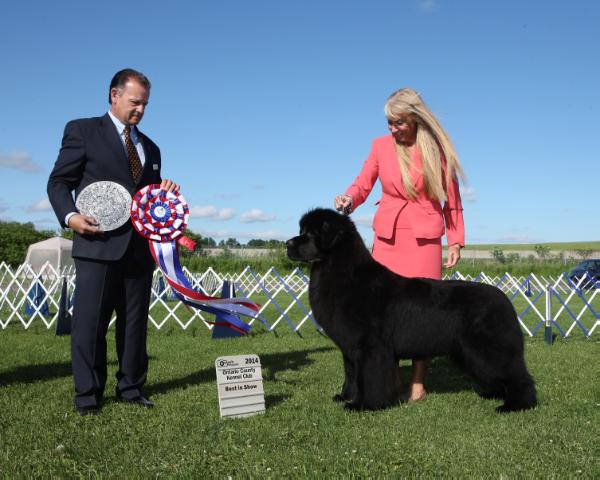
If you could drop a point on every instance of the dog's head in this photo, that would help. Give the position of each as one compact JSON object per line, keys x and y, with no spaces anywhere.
{"x":322,"y":231}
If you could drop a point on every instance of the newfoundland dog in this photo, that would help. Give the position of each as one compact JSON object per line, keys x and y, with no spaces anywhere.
{"x":376,"y":318}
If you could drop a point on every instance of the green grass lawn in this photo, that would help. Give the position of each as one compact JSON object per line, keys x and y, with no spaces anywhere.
{"x":453,"y":433}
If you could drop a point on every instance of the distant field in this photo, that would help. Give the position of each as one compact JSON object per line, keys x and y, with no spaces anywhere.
{"x":593,"y":245}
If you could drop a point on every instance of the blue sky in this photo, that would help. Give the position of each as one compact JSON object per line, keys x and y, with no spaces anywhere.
{"x":265,"y":109}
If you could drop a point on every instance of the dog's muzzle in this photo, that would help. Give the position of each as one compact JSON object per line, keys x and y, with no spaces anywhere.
{"x":292,"y":249}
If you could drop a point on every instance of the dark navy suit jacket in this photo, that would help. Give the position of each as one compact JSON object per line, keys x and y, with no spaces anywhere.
{"x":92,"y":151}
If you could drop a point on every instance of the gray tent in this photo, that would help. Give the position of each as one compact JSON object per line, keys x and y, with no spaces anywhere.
{"x":56,"y":251}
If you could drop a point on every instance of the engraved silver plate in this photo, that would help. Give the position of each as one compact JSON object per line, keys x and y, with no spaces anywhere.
{"x":108,"y":202}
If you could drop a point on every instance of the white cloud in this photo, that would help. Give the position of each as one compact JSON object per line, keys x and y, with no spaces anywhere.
{"x":428,"y":6}
{"x":217,"y":233}
{"x":19,"y":161}
{"x":41,"y":206}
{"x":224,"y":214}
{"x":468,"y":194}
{"x":203,"y":212}
{"x":517,"y":239}
{"x":364,"y":220}
{"x":46,"y":224}
{"x":212,"y":212}
{"x":256,"y":215}
{"x":265,"y":235}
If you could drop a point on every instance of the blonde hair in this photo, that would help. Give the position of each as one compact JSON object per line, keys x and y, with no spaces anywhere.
{"x":432,"y":142}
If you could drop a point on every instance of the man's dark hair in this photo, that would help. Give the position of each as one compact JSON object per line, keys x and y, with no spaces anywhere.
{"x":122,"y":76}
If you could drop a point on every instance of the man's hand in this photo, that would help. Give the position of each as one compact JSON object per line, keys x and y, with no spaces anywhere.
{"x":84,"y":225}
{"x":169,"y":185}
{"x":453,"y":256}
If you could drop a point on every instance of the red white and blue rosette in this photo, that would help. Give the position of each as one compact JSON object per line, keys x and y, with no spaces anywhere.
{"x":159,"y":215}
{"x":162,"y":217}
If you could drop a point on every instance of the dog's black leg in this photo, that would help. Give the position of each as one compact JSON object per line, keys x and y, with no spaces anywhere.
{"x":503,"y":370}
{"x":349,"y":388}
{"x":378,"y":380}
{"x":492,"y":394}
{"x":490,"y":368}
{"x":520,"y":392}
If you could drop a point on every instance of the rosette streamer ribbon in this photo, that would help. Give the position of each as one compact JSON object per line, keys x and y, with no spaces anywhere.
{"x":161,"y":217}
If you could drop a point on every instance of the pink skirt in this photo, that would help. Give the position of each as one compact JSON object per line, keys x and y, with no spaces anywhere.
{"x":409,"y":256}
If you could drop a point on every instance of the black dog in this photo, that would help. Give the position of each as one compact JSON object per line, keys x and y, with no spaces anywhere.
{"x":376,"y":317}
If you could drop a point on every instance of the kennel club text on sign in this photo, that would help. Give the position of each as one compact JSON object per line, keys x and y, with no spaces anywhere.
{"x":240,"y":385}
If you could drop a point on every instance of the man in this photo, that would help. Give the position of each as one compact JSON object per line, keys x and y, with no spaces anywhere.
{"x":114,"y":268}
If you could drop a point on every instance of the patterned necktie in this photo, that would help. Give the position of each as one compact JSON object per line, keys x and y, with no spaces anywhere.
{"x":135,"y":165}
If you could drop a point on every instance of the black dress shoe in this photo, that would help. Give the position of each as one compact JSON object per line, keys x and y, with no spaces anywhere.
{"x":140,"y":401}
{"x":88,"y":410}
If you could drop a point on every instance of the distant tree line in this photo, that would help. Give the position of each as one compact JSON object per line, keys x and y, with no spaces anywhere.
{"x":542,"y":254}
{"x":208,"y":242}
{"x":16,"y":237}
{"x":266,"y":243}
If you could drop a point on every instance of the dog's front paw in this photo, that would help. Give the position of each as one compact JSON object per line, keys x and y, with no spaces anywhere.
{"x":341,"y":397}
{"x":504,"y":409}
{"x":353,"y":406}
{"x":507,"y":408}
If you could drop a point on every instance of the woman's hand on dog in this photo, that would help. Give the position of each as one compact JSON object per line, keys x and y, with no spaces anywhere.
{"x":343,"y":204}
{"x":453,"y":256}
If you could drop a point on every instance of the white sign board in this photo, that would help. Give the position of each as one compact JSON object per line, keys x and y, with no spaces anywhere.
{"x":240,"y":385}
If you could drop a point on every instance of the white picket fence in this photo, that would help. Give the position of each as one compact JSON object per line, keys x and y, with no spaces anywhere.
{"x":28,"y":296}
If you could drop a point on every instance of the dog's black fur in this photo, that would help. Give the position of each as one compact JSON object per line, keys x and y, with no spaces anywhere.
{"x":376,"y":317}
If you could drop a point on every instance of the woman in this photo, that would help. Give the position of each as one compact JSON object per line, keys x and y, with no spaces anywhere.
{"x":418,"y":168}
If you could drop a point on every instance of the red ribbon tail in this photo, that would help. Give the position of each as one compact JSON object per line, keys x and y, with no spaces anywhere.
{"x":186,"y":242}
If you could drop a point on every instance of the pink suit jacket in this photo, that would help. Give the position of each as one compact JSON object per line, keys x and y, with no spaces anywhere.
{"x":425,"y":216}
